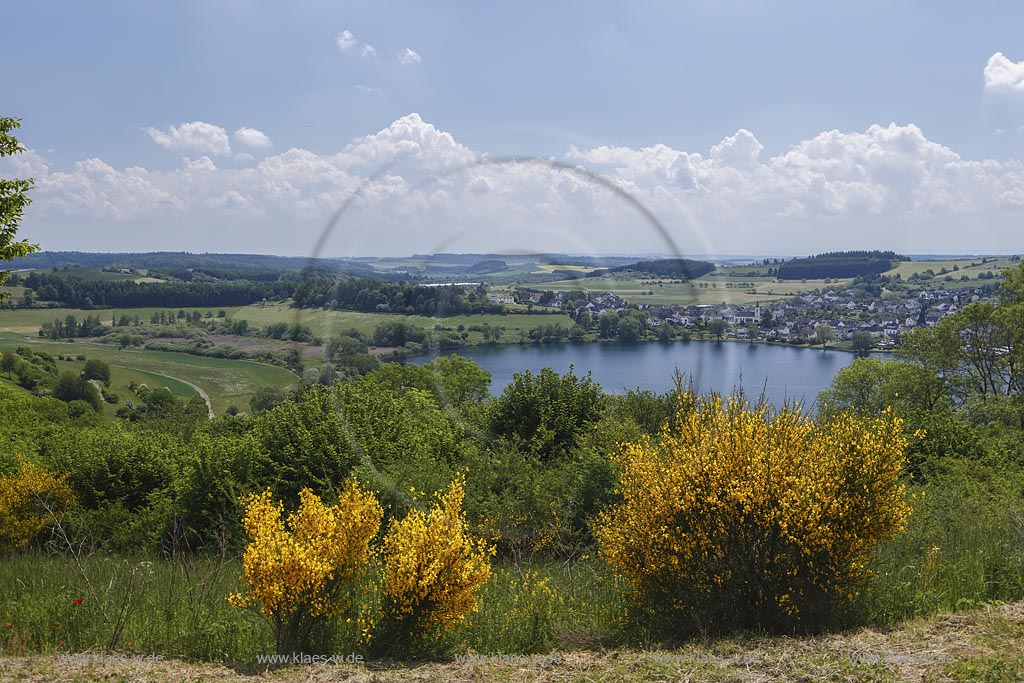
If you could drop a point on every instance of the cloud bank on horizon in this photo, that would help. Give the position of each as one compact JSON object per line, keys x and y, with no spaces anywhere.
{"x":420,"y":190}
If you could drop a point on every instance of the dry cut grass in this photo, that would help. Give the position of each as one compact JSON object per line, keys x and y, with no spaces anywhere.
{"x":983,"y":645}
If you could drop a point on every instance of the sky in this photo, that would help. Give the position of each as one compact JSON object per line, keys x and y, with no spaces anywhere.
{"x":391,"y":128}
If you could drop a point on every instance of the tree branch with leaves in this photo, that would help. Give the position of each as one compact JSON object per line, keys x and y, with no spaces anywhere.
{"x":13,"y":200}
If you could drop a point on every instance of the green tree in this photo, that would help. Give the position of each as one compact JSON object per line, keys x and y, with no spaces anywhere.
{"x":71,"y":388}
{"x":96,"y":369}
{"x":862,"y":342}
{"x":609,"y":325}
{"x":717,"y":327}
{"x":630,"y":329}
{"x":8,"y":363}
{"x":265,"y":398}
{"x":345,"y":346}
{"x":459,"y":380}
{"x":870,"y":385}
{"x":546,"y":411}
{"x":13,"y":200}
{"x":824,"y":334}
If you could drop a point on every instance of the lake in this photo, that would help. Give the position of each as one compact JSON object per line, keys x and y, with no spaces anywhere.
{"x":784,"y":373}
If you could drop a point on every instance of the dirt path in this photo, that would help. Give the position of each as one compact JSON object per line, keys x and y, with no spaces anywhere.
{"x":199,"y":389}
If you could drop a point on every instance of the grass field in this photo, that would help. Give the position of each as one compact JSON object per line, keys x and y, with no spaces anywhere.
{"x":696,"y":292}
{"x":120,"y":377}
{"x":328,"y":324}
{"x":100,"y":275}
{"x":228,"y":382}
{"x":549,"y":267}
{"x":972,"y":268}
{"x":28,"y":321}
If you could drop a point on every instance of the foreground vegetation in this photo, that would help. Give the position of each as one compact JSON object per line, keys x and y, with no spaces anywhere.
{"x":901,"y":498}
{"x":980,"y":645}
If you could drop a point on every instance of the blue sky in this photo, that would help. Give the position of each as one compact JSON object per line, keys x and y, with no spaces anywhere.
{"x":743,"y":126}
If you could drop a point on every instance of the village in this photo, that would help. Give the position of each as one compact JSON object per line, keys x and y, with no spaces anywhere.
{"x":817,"y":317}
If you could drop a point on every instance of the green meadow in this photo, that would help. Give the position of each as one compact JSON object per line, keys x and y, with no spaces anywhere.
{"x":227,"y":382}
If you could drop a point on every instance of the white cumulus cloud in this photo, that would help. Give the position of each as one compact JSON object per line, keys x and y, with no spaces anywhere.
{"x":888,"y":186}
{"x":197,"y":136}
{"x":347,"y":42}
{"x":409,"y":56}
{"x":250,"y":137}
{"x":1003,"y":75}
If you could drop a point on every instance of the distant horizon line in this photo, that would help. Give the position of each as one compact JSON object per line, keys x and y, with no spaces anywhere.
{"x":620,"y":254}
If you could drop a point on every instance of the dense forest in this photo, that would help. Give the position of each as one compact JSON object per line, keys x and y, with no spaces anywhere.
{"x":839,"y":264}
{"x":170,"y":260}
{"x":74,"y":292}
{"x":323,"y":290}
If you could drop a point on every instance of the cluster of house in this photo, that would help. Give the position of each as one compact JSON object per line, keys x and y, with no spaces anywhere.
{"x":845,"y":312}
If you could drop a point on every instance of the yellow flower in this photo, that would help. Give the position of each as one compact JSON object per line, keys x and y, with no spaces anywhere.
{"x":732,"y":492}
{"x":29,"y":499}
{"x":433,"y":567}
{"x":297,"y":571}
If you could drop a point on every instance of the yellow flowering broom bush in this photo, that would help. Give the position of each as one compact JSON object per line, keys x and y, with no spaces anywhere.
{"x":739,"y":518}
{"x":29,"y":498}
{"x":432,"y":570}
{"x":299,"y":573}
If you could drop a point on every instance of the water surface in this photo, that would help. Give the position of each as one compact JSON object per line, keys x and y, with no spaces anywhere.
{"x":783,"y":373}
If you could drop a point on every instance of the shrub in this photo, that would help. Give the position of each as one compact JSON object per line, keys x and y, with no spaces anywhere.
{"x":30,"y":497}
{"x":298,"y":573}
{"x":432,"y":570}
{"x":546,"y":412}
{"x":96,"y":369}
{"x":741,"y":519}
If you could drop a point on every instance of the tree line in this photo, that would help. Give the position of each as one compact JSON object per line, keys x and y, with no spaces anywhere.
{"x":838,"y":264}
{"x":674,"y":268}
{"x":323,"y":290}
{"x":74,"y":292}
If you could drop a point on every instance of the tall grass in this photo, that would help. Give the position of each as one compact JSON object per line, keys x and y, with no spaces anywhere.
{"x":963,"y":546}
{"x":172,"y":607}
{"x":178,"y":607}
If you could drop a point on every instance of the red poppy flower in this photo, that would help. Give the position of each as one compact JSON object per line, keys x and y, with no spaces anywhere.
{"x":60,"y":642}
{"x":54,"y":625}
{"x":7,"y":624}
{"x":78,"y":601}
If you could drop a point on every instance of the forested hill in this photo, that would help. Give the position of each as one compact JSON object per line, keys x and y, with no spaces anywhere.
{"x":839,"y":264}
{"x":74,"y":292}
{"x":673,"y":267}
{"x":364,"y":294}
{"x":180,"y":260}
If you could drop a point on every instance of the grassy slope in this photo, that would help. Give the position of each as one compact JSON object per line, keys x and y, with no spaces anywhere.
{"x":908,"y":268}
{"x":983,"y":645}
{"x":226,"y":381}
